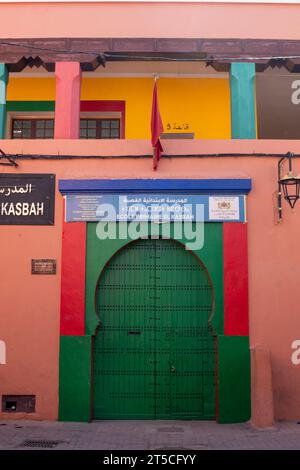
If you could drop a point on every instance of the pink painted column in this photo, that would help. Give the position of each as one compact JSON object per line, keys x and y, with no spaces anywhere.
{"x":262,"y":389}
{"x":67,"y":102}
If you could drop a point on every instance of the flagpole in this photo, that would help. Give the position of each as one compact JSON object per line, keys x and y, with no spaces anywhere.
{"x":156,"y":126}
{"x":154,"y":150}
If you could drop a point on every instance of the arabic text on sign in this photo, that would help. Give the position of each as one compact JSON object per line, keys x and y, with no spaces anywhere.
{"x":8,"y":190}
{"x":178,"y":127}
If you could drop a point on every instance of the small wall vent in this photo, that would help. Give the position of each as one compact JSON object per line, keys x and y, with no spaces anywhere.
{"x":18,"y":403}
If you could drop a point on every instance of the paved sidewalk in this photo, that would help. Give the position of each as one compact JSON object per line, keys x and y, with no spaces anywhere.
{"x":145,"y":435}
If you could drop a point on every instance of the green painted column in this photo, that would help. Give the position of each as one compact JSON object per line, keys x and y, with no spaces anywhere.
{"x":242,"y":98}
{"x":3,"y":84}
{"x":75,"y":375}
{"x":234,"y":379}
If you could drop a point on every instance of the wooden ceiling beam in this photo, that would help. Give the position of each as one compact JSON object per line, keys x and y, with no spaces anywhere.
{"x":94,"y":52}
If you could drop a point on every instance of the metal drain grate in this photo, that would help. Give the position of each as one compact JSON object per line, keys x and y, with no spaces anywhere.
{"x":47,"y":444}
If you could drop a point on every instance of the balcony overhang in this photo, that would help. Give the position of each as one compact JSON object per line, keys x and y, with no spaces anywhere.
{"x":94,"y":52}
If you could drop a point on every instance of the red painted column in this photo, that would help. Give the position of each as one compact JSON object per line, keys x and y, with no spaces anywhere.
{"x":72,"y":319}
{"x":67,"y":101}
{"x":235,"y":279}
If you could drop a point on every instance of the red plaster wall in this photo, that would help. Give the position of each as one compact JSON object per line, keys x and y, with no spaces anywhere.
{"x":29,"y":317}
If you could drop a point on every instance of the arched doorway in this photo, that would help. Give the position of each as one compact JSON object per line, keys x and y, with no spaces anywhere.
{"x":154,"y":352}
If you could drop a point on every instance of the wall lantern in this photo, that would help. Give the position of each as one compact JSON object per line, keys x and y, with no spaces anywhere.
{"x":289,"y":183}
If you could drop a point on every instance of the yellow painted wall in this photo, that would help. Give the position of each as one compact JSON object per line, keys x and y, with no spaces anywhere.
{"x":31,"y":89}
{"x":201,"y":103}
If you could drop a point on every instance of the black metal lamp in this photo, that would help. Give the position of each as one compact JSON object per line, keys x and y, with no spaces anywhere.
{"x":290,"y":184}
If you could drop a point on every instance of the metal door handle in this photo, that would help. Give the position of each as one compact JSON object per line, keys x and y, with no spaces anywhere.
{"x":173,"y":369}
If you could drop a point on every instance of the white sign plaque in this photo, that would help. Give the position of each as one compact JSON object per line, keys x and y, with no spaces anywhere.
{"x":224,"y":208}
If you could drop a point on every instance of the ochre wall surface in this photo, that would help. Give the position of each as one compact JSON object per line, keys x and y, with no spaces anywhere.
{"x":202,"y":103}
{"x":29,"y":320}
{"x":129,"y":20}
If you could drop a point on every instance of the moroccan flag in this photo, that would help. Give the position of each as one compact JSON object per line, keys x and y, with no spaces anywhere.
{"x":156,"y":128}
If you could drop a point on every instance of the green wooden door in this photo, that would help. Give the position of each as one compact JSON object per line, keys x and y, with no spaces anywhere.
{"x":154,"y":355}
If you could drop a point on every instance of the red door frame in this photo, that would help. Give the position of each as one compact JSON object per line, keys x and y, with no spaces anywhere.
{"x":235,"y":257}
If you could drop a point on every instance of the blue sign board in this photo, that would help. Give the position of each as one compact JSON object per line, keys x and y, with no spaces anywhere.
{"x":141,"y":207}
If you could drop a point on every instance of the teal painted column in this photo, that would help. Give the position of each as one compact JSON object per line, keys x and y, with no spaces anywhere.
{"x":3,"y":84}
{"x":242,"y":98}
